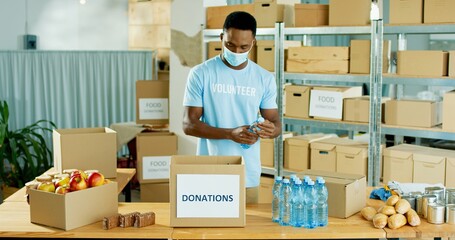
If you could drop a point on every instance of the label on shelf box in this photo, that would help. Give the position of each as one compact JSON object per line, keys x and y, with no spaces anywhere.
{"x":156,"y":167}
{"x":327,"y":104}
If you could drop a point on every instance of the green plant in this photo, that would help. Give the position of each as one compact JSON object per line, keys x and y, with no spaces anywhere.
{"x":24,"y":153}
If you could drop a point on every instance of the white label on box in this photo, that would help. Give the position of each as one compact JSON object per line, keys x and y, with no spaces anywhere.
{"x":208,"y":196}
{"x":328,"y":104}
{"x":153,"y":108}
{"x":156,"y":167}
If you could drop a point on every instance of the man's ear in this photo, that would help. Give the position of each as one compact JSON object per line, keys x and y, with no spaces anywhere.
{"x":221,"y":36}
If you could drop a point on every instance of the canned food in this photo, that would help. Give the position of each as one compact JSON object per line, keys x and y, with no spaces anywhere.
{"x":438,"y":191}
{"x":436,"y":213}
{"x":427,"y":200}
{"x":419,"y":204}
{"x":450,"y":214}
{"x":450,"y":196}
{"x":411,"y":200}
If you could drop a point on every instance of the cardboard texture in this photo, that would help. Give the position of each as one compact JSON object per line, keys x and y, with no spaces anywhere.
{"x":214,"y":48}
{"x":324,"y":155}
{"x":267,"y":152}
{"x":152,"y":102}
{"x":429,"y":166}
{"x":215,"y":16}
{"x":399,"y":163}
{"x":438,"y":11}
{"x":297,"y":101}
{"x":266,"y":52}
{"x":297,"y":151}
{"x":318,"y":53}
{"x":154,"y":151}
{"x":346,"y":192}
{"x":71,"y":210}
{"x":218,"y":166}
{"x":352,"y":159}
{"x":358,"y":109}
{"x":448,"y":113}
{"x":327,"y":102}
{"x":429,"y":63}
{"x":86,"y":148}
{"x":451,"y":63}
{"x":360,"y":56}
{"x":406,"y":11}
{"x":265,"y":190}
{"x":318,"y":66}
{"x":403,"y":113}
{"x":349,"y":12}
{"x":311,"y":15}
{"x":268,"y":12}
{"x":154,"y":192}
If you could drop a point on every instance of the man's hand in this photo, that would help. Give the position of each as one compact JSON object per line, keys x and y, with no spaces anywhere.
{"x":243,"y":135}
{"x":267,"y":129}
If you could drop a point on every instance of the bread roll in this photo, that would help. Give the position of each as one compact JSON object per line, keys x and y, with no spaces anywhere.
{"x":380,"y":220}
{"x":388,"y":210}
{"x":396,"y":221}
{"x":413,"y":218}
{"x":402,"y":206}
{"x":368,"y":213}
{"x":392,"y":200}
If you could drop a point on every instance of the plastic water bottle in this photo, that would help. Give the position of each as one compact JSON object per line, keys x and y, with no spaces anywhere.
{"x":292,"y":179}
{"x":321,"y":204}
{"x":276,"y":199}
{"x":250,"y":128}
{"x":285,"y":203}
{"x":310,"y":206}
{"x":297,"y":203}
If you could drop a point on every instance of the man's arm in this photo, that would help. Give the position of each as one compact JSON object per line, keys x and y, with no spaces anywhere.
{"x":271,"y":128}
{"x":193,"y":126}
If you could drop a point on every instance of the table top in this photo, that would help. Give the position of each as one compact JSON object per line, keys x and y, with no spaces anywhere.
{"x":124,"y":175}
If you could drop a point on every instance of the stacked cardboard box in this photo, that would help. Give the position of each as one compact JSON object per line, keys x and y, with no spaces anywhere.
{"x":318,"y":59}
{"x":422,"y":63}
{"x":266,"y":52}
{"x":327,"y":102}
{"x":215,"y":16}
{"x":349,"y":12}
{"x":406,"y":12}
{"x":403,"y":113}
{"x":439,"y":11}
{"x":451,"y":63}
{"x":297,"y":101}
{"x":359,"y":61}
{"x":448,"y":120}
{"x":152,"y":102}
{"x":265,"y":189}
{"x":268,"y":12}
{"x":297,"y":151}
{"x":311,"y":15}
{"x":268,"y":149}
{"x":357,"y":109}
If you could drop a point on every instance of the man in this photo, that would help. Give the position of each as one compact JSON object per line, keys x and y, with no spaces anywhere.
{"x":224,"y":95}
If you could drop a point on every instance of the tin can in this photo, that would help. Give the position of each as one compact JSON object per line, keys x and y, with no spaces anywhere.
{"x":419,"y":204}
{"x":438,"y":191}
{"x":411,"y":200}
{"x":436,"y":213}
{"x":450,"y":213}
{"x":450,"y":196}
{"x":427,"y":200}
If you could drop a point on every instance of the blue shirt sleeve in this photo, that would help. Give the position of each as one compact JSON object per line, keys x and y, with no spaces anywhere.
{"x":270,"y":94}
{"x":194,"y":90}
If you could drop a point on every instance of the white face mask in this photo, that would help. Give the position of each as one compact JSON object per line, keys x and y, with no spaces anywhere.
{"x":235,"y":59}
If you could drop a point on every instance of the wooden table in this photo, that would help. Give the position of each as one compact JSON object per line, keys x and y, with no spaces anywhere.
{"x":124,"y":176}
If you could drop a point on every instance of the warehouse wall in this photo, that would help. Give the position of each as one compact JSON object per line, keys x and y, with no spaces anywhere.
{"x":65,"y":24}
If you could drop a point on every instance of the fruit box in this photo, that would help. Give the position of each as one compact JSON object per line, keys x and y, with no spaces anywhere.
{"x":74,"y":209}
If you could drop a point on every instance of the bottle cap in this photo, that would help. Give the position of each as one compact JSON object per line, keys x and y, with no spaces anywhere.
{"x":260,"y":120}
{"x":285,"y":180}
{"x":279,"y":178}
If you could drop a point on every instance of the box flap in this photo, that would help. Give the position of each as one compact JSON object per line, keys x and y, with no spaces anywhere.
{"x":400,"y":151}
{"x":336,"y":176}
{"x":428,"y":158}
{"x":297,"y":88}
{"x":307,"y":138}
{"x":353,"y":149}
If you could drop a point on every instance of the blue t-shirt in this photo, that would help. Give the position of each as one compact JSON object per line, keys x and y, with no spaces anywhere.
{"x":231,"y":98}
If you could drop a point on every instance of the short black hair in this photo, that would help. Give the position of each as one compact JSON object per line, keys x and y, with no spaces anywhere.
{"x":240,"y":20}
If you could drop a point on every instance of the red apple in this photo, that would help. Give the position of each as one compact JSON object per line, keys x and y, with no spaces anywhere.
{"x":78,"y":172}
{"x":95,"y":179}
{"x":77,"y":183}
{"x":46,"y":186}
{"x":62,"y":190}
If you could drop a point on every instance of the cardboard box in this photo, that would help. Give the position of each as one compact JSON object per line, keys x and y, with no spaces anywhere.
{"x":297,"y":101}
{"x":422,"y":63}
{"x":154,"y":192}
{"x":86,"y":148}
{"x":403,"y":113}
{"x":349,"y":12}
{"x":357,"y":109}
{"x":324,"y":155}
{"x":74,"y":209}
{"x":429,"y":166}
{"x":215,"y":16}
{"x":154,"y":151}
{"x":152,"y":102}
{"x":297,"y":151}
{"x":311,"y":15}
{"x":265,"y":189}
{"x":267,"y":152}
{"x":360,"y":56}
{"x":266,"y":52}
{"x":268,"y":12}
{"x":448,"y":115}
{"x":352,"y":159}
{"x":214,"y":48}
{"x":450,"y":171}
{"x":451,"y":63}
{"x":438,"y":11}
{"x":317,"y":66}
{"x":406,"y":11}
{"x":318,"y":59}
{"x":327,"y":102}
{"x":318,"y":53}
{"x":195,"y":180}
{"x":346,"y":192}
{"x":398,"y":163}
